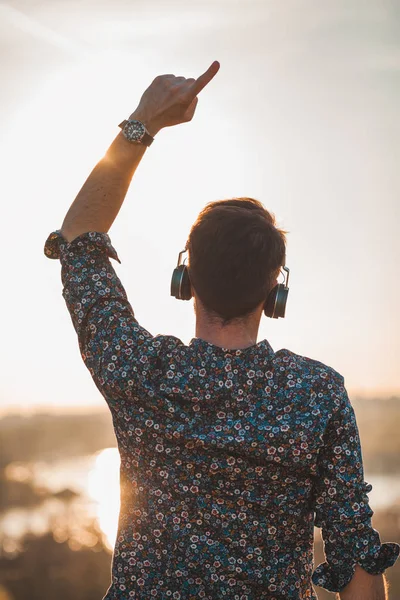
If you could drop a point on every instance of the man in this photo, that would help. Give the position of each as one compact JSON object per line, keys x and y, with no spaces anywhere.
{"x":228,"y":449}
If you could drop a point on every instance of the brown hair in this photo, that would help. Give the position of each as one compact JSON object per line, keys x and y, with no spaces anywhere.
{"x":235,"y":251}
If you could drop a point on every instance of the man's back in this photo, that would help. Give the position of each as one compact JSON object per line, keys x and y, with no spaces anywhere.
{"x":219,"y":451}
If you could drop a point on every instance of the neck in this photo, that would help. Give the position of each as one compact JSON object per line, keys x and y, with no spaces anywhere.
{"x":233,"y":336}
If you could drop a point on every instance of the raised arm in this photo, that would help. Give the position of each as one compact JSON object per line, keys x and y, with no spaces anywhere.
{"x":168,"y":101}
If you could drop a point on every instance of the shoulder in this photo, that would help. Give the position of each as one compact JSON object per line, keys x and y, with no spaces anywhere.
{"x":167,"y":343}
{"x":307,"y":367}
{"x":313,"y":377}
{"x":163,"y":346}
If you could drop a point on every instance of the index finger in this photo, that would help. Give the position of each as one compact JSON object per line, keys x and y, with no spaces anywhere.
{"x":204,"y":79}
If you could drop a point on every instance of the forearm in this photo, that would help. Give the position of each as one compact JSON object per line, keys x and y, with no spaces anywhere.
{"x":101,"y":196}
{"x":364,"y":586}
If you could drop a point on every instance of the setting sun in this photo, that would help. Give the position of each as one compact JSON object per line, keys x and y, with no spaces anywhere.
{"x":103,"y":488}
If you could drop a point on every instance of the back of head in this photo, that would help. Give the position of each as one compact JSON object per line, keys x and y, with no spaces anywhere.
{"x":235,"y":252}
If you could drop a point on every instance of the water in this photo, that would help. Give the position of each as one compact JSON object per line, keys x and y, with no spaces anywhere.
{"x":94,"y":484}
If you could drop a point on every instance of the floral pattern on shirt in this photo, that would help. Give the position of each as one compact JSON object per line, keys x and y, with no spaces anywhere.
{"x":228,"y":457}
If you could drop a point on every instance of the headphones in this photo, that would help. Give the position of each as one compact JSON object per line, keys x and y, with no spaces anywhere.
{"x":274,"y":305}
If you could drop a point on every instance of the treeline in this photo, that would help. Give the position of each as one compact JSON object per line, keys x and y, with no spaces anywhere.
{"x":46,"y":568}
{"x":379,"y":422}
{"x":52,"y":436}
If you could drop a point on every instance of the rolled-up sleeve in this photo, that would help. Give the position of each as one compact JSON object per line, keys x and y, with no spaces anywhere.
{"x":109,"y":336}
{"x":342,"y":508}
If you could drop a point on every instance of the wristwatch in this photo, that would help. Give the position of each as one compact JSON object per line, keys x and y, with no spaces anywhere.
{"x":136,"y":132}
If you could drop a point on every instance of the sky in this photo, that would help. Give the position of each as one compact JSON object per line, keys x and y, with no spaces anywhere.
{"x":303,"y":116}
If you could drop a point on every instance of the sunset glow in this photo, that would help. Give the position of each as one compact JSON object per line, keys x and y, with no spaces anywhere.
{"x":103,"y":488}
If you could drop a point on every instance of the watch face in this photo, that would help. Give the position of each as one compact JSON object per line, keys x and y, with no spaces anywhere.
{"x":134,"y":131}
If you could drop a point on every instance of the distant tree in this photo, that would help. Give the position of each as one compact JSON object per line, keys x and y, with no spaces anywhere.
{"x":46,"y":569}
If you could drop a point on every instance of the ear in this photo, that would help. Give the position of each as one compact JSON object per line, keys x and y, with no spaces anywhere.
{"x":274,"y":280}
{"x":276,"y":276}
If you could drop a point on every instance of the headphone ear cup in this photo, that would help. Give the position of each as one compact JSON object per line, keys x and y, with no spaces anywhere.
{"x":180,"y":283}
{"x":275,"y":304}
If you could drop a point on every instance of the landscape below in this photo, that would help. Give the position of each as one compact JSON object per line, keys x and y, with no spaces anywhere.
{"x":55,"y":465}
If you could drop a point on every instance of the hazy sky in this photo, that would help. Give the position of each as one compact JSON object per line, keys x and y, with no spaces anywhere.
{"x":303,"y":116}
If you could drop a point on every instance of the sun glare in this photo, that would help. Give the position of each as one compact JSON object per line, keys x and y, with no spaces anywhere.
{"x":77,"y":108}
{"x":103,"y":488}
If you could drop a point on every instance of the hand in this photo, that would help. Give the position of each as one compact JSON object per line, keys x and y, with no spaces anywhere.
{"x":171,"y":100}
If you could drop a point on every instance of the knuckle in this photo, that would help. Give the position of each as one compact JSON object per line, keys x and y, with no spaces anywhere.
{"x":164,"y":78}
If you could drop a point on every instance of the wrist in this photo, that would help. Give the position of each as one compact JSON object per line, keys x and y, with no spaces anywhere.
{"x":150,"y":123}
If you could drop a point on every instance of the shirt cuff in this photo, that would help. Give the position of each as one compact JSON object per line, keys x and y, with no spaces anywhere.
{"x":56,"y":245}
{"x":86,"y":274}
{"x":336,"y":574}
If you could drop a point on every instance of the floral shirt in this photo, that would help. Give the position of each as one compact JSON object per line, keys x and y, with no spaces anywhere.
{"x":228,"y":457}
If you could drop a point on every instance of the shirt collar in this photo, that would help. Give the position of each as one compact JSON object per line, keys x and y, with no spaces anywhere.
{"x":263,"y":347}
